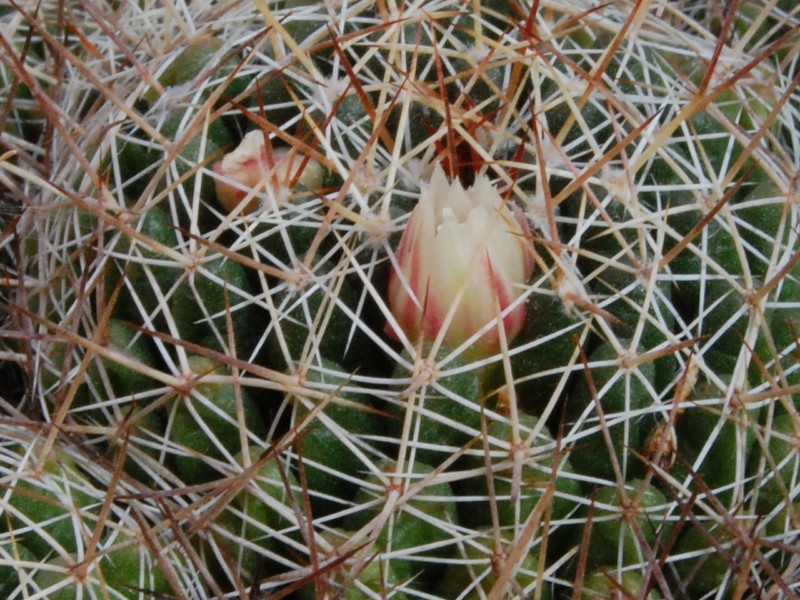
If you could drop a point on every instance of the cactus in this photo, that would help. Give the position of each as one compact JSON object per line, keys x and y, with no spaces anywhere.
{"x":224,"y":378}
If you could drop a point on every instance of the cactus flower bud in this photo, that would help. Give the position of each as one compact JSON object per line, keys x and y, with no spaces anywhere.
{"x":466,"y":247}
{"x":250,"y":166}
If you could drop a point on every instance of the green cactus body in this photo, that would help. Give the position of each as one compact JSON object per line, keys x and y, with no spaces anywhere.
{"x":782,"y":447}
{"x":52,"y":506}
{"x":480,"y":572}
{"x":199,"y":149}
{"x":143,"y":273}
{"x":258,"y":502}
{"x":105,"y":378}
{"x":324,"y":451}
{"x":712,"y":445}
{"x":193,"y":60}
{"x":705,"y":567}
{"x":641,"y":159}
{"x":617,"y":525}
{"x":439,"y":416}
{"x":301,"y":308}
{"x":205,"y":300}
{"x":719,"y":308}
{"x":9,"y":572}
{"x":123,"y":379}
{"x":553,"y":352}
{"x":140,"y":156}
{"x":375,"y":577}
{"x":421,"y":523}
{"x":627,"y":393}
{"x":204,"y":422}
{"x":536,"y":475}
{"x":123,"y":573}
{"x":609,"y":583}
{"x":250,"y":532}
{"x":779,"y":352}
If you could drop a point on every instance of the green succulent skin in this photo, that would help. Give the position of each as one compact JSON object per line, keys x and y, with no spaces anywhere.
{"x":9,"y":574}
{"x":439,"y":429}
{"x":207,"y":301}
{"x":725,"y":441}
{"x":376,"y":575}
{"x":299,"y":308}
{"x":705,"y":568}
{"x":204,"y":55}
{"x":420,"y":524}
{"x":142,"y":286}
{"x":255,"y":523}
{"x":120,"y":573}
{"x":196,"y":144}
{"x":274,"y":481}
{"x":51,"y":501}
{"x":628,"y":392}
{"x":204,"y":422}
{"x":621,"y":526}
{"x":610,"y":583}
{"x":554,"y":352}
{"x":535,"y":476}
{"x":320,"y":445}
{"x":106,"y":377}
{"x":782,"y":450}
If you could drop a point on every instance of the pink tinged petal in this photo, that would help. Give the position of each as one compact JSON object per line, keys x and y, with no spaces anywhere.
{"x":402,"y":305}
{"x":508,"y":248}
{"x":244,"y":166}
{"x":397,"y":299}
{"x":525,"y":236}
{"x":228,"y":195}
{"x":498,"y":276}
{"x":506,"y":295}
{"x":483,"y":306}
{"x":434,"y":315}
{"x":511,"y":267}
{"x":498,"y":298}
{"x":461,"y":277}
{"x":252,"y":172}
{"x":450,"y":271}
{"x":408,"y":289}
{"x":509,"y":222}
{"x":507,"y":256}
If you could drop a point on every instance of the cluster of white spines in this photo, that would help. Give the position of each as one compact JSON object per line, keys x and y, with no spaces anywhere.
{"x":632,"y":165}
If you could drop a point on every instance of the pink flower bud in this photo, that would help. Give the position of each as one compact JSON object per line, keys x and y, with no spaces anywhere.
{"x":250,"y":167}
{"x":465,"y":248}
